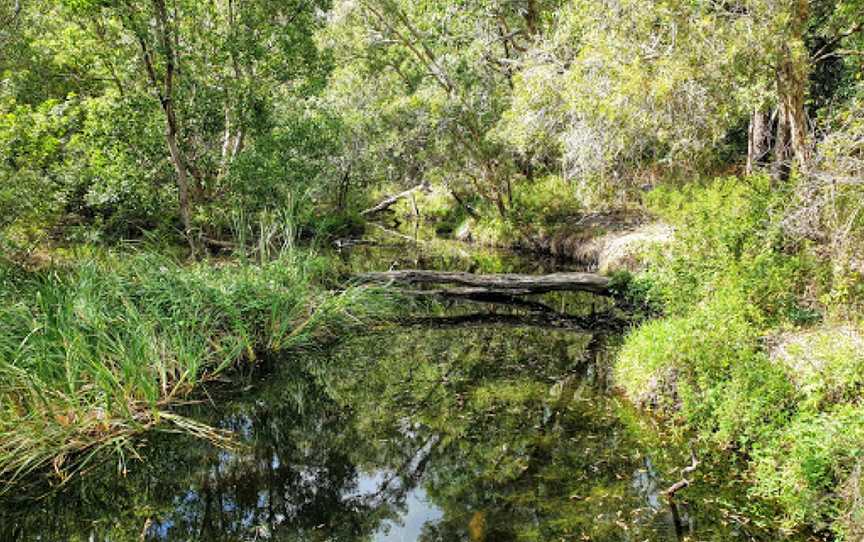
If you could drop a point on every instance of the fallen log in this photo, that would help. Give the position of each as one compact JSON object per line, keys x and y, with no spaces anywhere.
{"x":399,"y":235}
{"x":496,"y":284}
{"x":390,"y":201}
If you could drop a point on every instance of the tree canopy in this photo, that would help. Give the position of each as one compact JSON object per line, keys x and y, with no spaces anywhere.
{"x":122,"y":117}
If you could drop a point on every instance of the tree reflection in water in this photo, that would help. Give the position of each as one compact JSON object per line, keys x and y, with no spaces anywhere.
{"x":508,"y":432}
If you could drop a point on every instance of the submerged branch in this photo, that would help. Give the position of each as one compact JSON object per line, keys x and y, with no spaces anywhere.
{"x":598,"y":323}
{"x":482,"y":295}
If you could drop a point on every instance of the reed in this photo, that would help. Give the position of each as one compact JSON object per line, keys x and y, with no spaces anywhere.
{"x":94,"y":353}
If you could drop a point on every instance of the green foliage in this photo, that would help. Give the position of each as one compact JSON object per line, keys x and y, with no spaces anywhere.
{"x":547,"y":201}
{"x":805,"y":465}
{"x":707,"y":367}
{"x":95,"y":353}
{"x":726,"y":240}
{"x":731,"y":277}
{"x":249,"y":125}
{"x":830,"y":202}
{"x":438,"y":209}
{"x":826,"y":363}
{"x":84,"y":119}
{"x":288,"y":170}
{"x":431,"y":89}
{"x":618,"y":95}
{"x":542,"y":207}
{"x":634,"y":293}
{"x":114,"y":180}
{"x":30,"y":139}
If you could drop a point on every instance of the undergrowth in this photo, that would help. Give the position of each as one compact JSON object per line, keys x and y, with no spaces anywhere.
{"x":733,"y":288}
{"x":538,"y":207}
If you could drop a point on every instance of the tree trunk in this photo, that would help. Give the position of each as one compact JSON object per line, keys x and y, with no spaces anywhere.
{"x":389,"y":201}
{"x":781,"y":166}
{"x":468,"y":209}
{"x":499,"y":204}
{"x":182,"y":179}
{"x":792,"y":83}
{"x":758,"y":140}
{"x":164,"y":87}
{"x":531,"y":17}
{"x":791,"y":73}
{"x":342,"y":194}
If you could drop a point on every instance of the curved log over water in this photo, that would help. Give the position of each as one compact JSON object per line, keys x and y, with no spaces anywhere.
{"x":390,"y":201}
{"x":509,"y":283}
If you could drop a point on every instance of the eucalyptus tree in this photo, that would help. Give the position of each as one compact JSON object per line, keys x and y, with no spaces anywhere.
{"x":620,"y":89}
{"x":10,"y":12}
{"x":436,"y":79}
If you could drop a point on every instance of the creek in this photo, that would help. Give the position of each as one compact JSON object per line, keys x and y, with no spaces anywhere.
{"x":480,"y":423}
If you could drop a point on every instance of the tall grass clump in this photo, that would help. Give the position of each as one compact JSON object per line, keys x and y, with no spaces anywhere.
{"x":93,"y":353}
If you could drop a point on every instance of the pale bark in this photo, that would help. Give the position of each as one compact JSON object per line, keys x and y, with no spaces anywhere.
{"x":390,"y":201}
{"x":792,"y":75}
{"x":792,"y":83}
{"x":164,"y":88}
{"x":182,"y":183}
{"x":413,"y":40}
{"x":758,"y":139}
{"x":780,"y":167}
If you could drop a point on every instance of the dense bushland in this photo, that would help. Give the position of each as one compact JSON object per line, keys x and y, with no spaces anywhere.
{"x":754,"y":353}
{"x":247,"y":127}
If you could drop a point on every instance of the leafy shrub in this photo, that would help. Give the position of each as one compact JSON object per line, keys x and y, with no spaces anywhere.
{"x":30,"y":143}
{"x":538,"y":208}
{"x":438,"y":208}
{"x":115,"y":180}
{"x":729,"y":278}
{"x":725,"y":239}
{"x":706,"y":366}
{"x":802,"y":467}
{"x":634,"y":293}
{"x":548,"y":200}
{"x":828,"y":204}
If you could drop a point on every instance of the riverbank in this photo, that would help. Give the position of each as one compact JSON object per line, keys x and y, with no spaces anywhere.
{"x":754,"y":351}
{"x":96,"y":351}
{"x":546,"y":220}
{"x":496,"y":429}
{"x":757,"y":352}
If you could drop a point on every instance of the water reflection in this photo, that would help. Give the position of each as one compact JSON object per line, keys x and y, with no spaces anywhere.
{"x":380,"y":251}
{"x":493,"y":432}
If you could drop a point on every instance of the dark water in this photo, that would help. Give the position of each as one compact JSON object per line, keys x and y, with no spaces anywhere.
{"x":489,"y":428}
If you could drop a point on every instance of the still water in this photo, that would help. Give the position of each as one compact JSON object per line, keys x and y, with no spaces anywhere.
{"x":476,"y":424}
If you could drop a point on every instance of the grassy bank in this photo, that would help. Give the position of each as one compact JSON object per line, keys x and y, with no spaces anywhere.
{"x":99,"y":350}
{"x":759,"y":350}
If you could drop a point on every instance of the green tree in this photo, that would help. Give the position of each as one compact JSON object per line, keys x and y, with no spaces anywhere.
{"x":215,"y":70}
{"x":438,"y":77}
